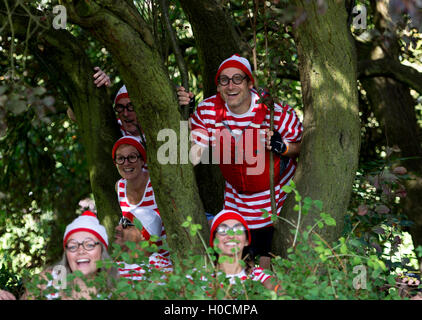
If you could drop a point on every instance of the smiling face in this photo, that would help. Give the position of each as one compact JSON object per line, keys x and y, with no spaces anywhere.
{"x":231,"y":245}
{"x":128,"y":118}
{"x":82,"y":259}
{"x":237,"y":96}
{"x":129,"y":170}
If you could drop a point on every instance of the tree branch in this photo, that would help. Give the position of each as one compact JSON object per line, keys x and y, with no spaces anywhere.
{"x":386,"y":67}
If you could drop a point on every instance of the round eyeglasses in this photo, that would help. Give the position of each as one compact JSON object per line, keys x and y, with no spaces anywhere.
{"x":237,"y":229}
{"x":131,"y":158}
{"x":236,"y":79}
{"x":121,"y":107}
{"x":125,"y":222}
{"x":88,"y":245}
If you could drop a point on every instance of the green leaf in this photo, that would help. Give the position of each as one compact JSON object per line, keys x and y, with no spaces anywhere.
{"x":318,"y":204}
{"x":287,"y":189}
{"x":137,"y":224}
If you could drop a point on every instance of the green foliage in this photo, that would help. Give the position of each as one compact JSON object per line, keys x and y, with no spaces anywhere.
{"x":375,"y":215}
{"x":312,"y":269}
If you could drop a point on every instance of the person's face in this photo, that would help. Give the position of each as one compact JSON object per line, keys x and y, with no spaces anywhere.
{"x":86,"y":256}
{"x":237,"y":96}
{"x":129,"y":170}
{"x":128,"y":118}
{"x":231,"y":245}
{"x":130,"y":233}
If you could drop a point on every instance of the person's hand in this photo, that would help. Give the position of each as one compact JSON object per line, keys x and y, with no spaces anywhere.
{"x":274,"y":142}
{"x":101,"y":78}
{"x":183,"y":97}
{"x":6,"y":295}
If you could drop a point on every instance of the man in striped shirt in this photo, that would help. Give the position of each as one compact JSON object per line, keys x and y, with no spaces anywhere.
{"x":237,"y":126}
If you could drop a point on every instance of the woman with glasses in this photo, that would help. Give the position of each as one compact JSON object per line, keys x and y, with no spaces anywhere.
{"x":134,"y":189}
{"x":85,"y":242}
{"x":229,"y":236}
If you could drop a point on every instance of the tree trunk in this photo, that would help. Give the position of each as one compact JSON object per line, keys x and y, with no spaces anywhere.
{"x":121,"y":29}
{"x":330,"y":145}
{"x":394,"y":107}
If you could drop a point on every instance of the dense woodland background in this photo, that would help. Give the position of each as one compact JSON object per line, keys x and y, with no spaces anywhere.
{"x":352,"y":70}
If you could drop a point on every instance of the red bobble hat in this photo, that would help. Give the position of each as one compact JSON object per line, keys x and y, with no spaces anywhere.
{"x":224,"y":215}
{"x":87,"y":222}
{"x":150,"y":220}
{"x":235,"y":61}
{"x":122,"y":93}
{"x":133,"y":141}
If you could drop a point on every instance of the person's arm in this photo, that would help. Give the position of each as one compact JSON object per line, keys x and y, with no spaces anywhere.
{"x":184,"y":98}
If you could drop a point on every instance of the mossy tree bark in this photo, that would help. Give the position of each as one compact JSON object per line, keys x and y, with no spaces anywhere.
{"x":70,"y":69}
{"x":330,"y":145}
{"x":126,"y":36}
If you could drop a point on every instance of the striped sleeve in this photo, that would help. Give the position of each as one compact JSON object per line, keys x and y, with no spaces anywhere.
{"x":202,"y":121}
{"x":288,"y":123}
{"x":258,"y":274}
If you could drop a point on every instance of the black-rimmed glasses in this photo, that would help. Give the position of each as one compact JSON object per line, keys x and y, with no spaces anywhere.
{"x":236,"y":79}
{"x":120,"y":107}
{"x":125,"y":222}
{"x":131,"y":158}
{"x":88,"y":245}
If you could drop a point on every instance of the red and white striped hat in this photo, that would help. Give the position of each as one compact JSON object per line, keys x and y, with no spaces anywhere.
{"x":133,"y":141}
{"x":149,"y":218}
{"x":224,"y":215}
{"x":122,"y":93}
{"x":235,"y":61}
{"x":87,"y":222}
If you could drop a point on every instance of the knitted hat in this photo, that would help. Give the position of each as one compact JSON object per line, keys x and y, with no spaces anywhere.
{"x":224,"y":215}
{"x":150,"y":220}
{"x":122,"y":93}
{"x":133,"y":141}
{"x":235,"y":61}
{"x":87,"y":222}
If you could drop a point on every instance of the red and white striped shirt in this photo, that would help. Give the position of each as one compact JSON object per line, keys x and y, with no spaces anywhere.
{"x":257,"y":274}
{"x":147,"y":201}
{"x":286,"y":123}
{"x":137,"y":272}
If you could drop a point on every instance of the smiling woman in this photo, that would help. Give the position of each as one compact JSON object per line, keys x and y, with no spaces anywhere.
{"x":134,"y":190}
{"x":229,"y":236}
{"x":85,"y":243}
